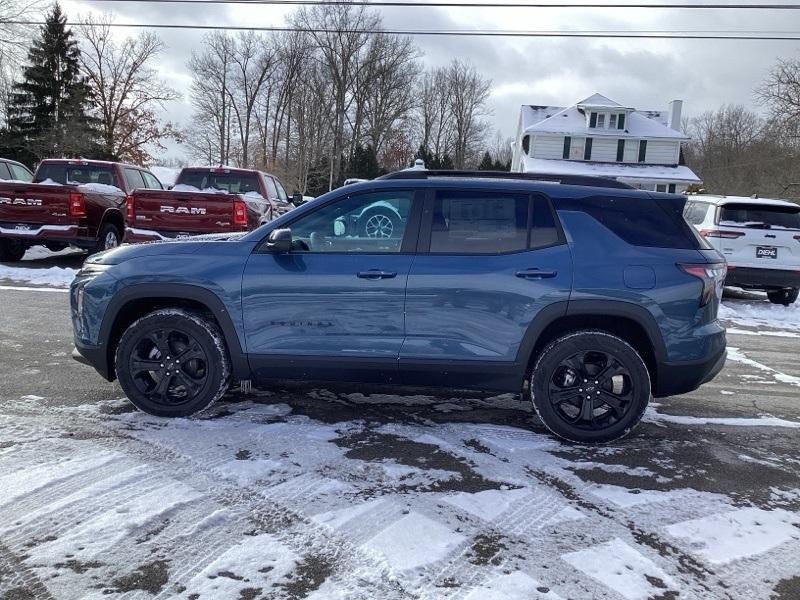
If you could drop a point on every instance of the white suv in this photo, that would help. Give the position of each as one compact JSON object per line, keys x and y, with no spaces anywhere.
{"x":759,"y":238}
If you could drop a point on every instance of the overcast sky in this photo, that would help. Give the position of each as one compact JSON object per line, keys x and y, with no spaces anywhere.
{"x":645,"y":74}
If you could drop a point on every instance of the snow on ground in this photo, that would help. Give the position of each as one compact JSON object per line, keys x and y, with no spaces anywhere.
{"x":760,"y":314}
{"x":51,"y":276}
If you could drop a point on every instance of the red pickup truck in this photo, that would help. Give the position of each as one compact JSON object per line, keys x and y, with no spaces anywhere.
{"x":205,"y":200}
{"x":77,"y":203}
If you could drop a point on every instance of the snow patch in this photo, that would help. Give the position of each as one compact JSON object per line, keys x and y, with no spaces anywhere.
{"x":758,"y":315}
{"x":626,"y":498}
{"x":414,"y":541}
{"x":100,"y":188}
{"x":620,"y":567}
{"x":488,"y":504}
{"x":736,"y":355}
{"x":512,"y":586}
{"x":725,"y":537}
{"x":52,"y":276}
{"x":653,"y":416}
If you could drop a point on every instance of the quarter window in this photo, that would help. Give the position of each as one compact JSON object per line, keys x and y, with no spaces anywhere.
{"x":133,"y":177}
{"x":366,"y":224}
{"x":151,"y":181}
{"x":19,"y":173}
{"x":479,"y":223}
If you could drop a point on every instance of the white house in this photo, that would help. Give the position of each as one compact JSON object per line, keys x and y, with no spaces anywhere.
{"x":599,"y":137}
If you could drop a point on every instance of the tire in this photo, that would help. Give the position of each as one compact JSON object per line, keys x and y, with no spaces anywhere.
{"x":12,"y":250}
{"x":380,"y":223}
{"x":108,"y":238}
{"x":196,"y":371}
{"x":560,"y":398}
{"x":785,"y":296}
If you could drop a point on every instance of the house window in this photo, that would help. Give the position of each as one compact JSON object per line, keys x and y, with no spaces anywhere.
{"x":567,"y":144}
{"x":671,"y":188}
{"x":621,"y":122}
{"x":661,"y":187}
{"x":642,"y":150}
{"x":601,"y":121}
{"x":587,"y":149}
{"x":620,"y":150}
{"x":593,"y":120}
{"x":612,"y":121}
{"x":526,"y":144}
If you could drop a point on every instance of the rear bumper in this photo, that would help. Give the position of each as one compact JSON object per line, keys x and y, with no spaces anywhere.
{"x":751,"y":277}
{"x":36,"y":233}
{"x":682,"y":377}
{"x":135,"y":235}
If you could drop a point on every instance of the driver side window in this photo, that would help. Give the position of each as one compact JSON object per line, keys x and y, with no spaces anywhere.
{"x":365,"y":223}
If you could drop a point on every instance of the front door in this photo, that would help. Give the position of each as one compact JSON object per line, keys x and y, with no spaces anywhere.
{"x":488,"y":262}
{"x":333,"y":307}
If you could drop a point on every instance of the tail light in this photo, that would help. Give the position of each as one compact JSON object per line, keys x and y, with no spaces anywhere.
{"x":721,"y":233}
{"x":130,"y":212}
{"x":712,"y":276}
{"x":77,"y":204}
{"x":239,"y":213}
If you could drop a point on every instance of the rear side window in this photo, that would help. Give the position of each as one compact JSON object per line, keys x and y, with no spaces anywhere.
{"x":695,"y":212}
{"x":479,"y":222}
{"x":151,"y":182}
{"x":19,"y":173}
{"x":760,"y":216}
{"x":639,"y":220}
{"x":222,"y":180}
{"x":134,"y":179}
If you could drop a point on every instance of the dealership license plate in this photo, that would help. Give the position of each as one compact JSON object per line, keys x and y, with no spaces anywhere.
{"x":766,"y":252}
{"x":22,"y":227}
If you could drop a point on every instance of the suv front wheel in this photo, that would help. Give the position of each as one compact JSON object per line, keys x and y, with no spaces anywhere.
{"x":173,"y":363}
{"x":590,"y":387}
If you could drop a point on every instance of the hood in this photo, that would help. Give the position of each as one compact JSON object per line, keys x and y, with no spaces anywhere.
{"x":210,"y":243}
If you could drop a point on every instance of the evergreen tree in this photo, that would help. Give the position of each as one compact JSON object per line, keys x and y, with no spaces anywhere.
{"x":364,"y":164}
{"x":48,"y":109}
{"x":486,"y":163}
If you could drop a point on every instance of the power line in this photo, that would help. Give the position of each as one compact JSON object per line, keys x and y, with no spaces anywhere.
{"x":649,"y":35}
{"x":440,"y":4}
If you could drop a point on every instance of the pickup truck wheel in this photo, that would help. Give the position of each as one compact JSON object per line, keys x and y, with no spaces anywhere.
{"x":109,"y":238}
{"x":786,"y":296}
{"x":590,"y":387}
{"x":12,"y":250}
{"x":173,"y":363}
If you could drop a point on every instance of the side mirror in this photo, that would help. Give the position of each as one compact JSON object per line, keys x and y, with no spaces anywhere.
{"x":297,"y":199}
{"x":280,"y":240}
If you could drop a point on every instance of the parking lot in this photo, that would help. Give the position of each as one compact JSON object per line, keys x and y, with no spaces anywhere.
{"x":305,"y":491}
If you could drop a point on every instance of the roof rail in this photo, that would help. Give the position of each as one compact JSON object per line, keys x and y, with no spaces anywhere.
{"x":586,"y":180}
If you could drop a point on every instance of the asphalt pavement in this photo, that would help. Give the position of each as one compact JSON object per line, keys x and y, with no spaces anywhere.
{"x":303,"y":491}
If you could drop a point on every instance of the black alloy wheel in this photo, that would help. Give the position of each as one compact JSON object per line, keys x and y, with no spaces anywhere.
{"x":172,"y":363}
{"x":590,"y":387}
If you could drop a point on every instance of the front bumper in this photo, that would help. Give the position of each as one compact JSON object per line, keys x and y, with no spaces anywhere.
{"x":683,"y":377}
{"x":93,"y":356}
{"x":762,"y":279}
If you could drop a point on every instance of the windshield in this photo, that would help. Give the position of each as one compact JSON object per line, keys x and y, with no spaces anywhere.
{"x":231,"y":182}
{"x":760,"y":215}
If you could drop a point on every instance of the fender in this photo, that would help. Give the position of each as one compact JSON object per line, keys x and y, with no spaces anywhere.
{"x":164,"y":291}
{"x":610,"y":308}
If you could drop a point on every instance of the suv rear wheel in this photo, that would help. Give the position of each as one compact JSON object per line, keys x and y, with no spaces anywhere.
{"x":590,"y":387}
{"x":786,"y":296}
{"x":173,"y":363}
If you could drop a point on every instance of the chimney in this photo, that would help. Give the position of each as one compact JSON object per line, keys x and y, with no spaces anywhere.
{"x":674,"y":116}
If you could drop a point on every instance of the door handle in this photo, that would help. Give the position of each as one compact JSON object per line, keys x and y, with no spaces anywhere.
{"x":536,"y":274}
{"x":376,"y":274}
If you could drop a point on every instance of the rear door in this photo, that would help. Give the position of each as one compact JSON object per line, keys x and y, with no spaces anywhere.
{"x":332,"y":308}
{"x":760,"y":235}
{"x":488,"y":262}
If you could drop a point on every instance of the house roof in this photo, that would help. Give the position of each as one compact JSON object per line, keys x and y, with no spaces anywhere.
{"x":659,"y":173}
{"x":722,"y":200}
{"x":638,"y":124}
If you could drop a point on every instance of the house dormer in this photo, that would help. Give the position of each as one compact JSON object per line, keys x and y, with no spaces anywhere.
{"x":603,"y":113}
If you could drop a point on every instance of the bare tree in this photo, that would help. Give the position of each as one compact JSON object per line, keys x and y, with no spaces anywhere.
{"x":211,"y":97}
{"x":780,"y":91}
{"x":468,"y":95}
{"x":125,"y":89}
{"x":340,"y":36}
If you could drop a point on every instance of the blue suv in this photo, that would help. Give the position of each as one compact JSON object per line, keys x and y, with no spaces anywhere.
{"x":591,"y":295}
